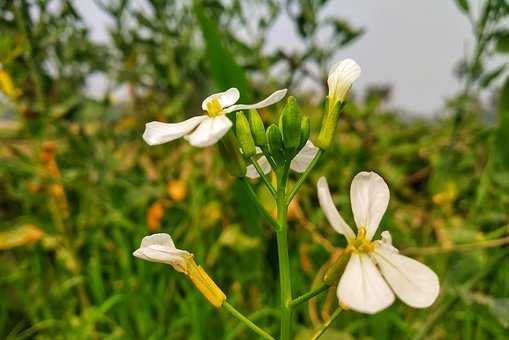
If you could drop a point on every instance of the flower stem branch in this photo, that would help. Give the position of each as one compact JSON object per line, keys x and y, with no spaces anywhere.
{"x":257,"y":203}
{"x":284,"y":260}
{"x":263,"y":176}
{"x":457,"y":247}
{"x":303,"y":177}
{"x":306,"y":296}
{"x":327,"y":324}
{"x":246,"y":321}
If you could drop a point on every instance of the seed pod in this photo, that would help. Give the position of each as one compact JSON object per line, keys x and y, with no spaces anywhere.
{"x":290,"y":123}
{"x":275,"y":140}
{"x":305,"y":130}
{"x":257,"y":128}
{"x":244,"y":135}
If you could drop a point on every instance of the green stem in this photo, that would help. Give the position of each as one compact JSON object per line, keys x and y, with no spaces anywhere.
{"x":327,"y":324}
{"x":303,"y":177}
{"x":263,"y":176}
{"x":304,"y":297}
{"x":284,"y":260}
{"x":246,"y":321}
{"x":258,"y":205}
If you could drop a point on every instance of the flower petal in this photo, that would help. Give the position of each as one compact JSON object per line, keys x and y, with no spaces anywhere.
{"x":301,"y":161}
{"x":328,"y":207}
{"x":160,"y":248}
{"x":369,"y":195}
{"x":413,"y":282}
{"x":159,"y":239}
{"x":159,"y":133}
{"x":209,"y":131}
{"x":251,"y":171}
{"x":341,"y":77}
{"x":226,"y":98}
{"x":272,"y":99}
{"x":362,"y":288}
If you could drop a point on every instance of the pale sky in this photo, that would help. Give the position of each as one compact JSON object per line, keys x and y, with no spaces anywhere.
{"x":413,"y":45}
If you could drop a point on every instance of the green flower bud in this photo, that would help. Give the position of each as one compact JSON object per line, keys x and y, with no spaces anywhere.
{"x":244,"y":135}
{"x":230,"y":152}
{"x":290,"y":123}
{"x":334,"y":272}
{"x":305,"y":130}
{"x":257,"y":128}
{"x":275,"y":140}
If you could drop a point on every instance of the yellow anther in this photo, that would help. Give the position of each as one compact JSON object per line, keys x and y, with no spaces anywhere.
{"x":362,"y":233}
{"x":214,"y":107}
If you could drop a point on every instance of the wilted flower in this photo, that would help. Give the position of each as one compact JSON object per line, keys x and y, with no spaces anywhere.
{"x":298,"y":164}
{"x":160,"y":248}
{"x":206,"y":129}
{"x":375,"y":271}
{"x":340,"y":80}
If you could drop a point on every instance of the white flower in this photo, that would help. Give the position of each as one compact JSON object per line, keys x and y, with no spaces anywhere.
{"x":298,"y":164}
{"x":340,"y":80}
{"x":206,"y":129}
{"x":160,"y":248}
{"x":375,"y":271}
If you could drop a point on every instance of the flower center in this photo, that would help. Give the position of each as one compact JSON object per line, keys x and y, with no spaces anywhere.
{"x":214,"y":108}
{"x":361,"y":244}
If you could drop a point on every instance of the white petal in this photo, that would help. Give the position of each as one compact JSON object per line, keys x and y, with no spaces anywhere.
{"x":362,"y":288}
{"x":272,"y":99}
{"x":369,"y":195}
{"x":413,"y":282}
{"x":160,"y":248}
{"x":209,"y":131}
{"x":226,"y":98}
{"x":301,"y":161}
{"x":159,"y":133}
{"x":251,"y":171}
{"x":341,"y":77}
{"x":328,"y":207}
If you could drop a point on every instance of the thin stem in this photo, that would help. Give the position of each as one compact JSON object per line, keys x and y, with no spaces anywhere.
{"x":306,"y":296}
{"x":246,"y":321}
{"x":458,"y":247}
{"x":284,"y":259}
{"x":327,"y":324}
{"x":261,"y":209}
{"x":303,"y":177}
{"x":263,"y":176}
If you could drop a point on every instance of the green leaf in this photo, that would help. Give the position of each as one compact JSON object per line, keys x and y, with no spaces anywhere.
{"x":463,"y":5}
{"x":225,"y":70}
{"x":501,"y":133}
{"x":489,"y":77}
{"x":502,"y":41}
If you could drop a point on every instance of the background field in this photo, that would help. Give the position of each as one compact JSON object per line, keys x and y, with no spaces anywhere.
{"x":79,"y":188}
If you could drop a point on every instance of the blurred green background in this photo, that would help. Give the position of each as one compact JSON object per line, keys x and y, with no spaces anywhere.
{"x":79,"y":188}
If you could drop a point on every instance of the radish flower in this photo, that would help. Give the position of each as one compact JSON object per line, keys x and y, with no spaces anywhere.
{"x":298,"y":164}
{"x":375,"y":271}
{"x":160,"y":248}
{"x":206,"y":129}
{"x":340,"y":80}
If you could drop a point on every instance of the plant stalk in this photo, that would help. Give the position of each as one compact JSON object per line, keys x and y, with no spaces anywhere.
{"x":246,"y":321}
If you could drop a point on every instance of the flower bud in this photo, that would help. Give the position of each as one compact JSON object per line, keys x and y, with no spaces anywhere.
{"x":257,"y":128}
{"x":334,"y":272}
{"x":305,"y":130}
{"x":275,"y":140}
{"x":230,"y":152}
{"x":244,"y":135}
{"x":340,"y":80}
{"x":290,"y":123}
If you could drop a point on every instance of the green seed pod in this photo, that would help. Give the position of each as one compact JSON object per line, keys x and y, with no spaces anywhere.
{"x":290,"y":123}
{"x":333,"y":273}
{"x":230,"y":153}
{"x":275,"y":140}
{"x":257,"y":128}
{"x":244,"y":135}
{"x":305,"y":130}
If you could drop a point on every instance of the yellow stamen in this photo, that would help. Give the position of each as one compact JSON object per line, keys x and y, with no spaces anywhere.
{"x":362,"y":233}
{"x":214,"y":107}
